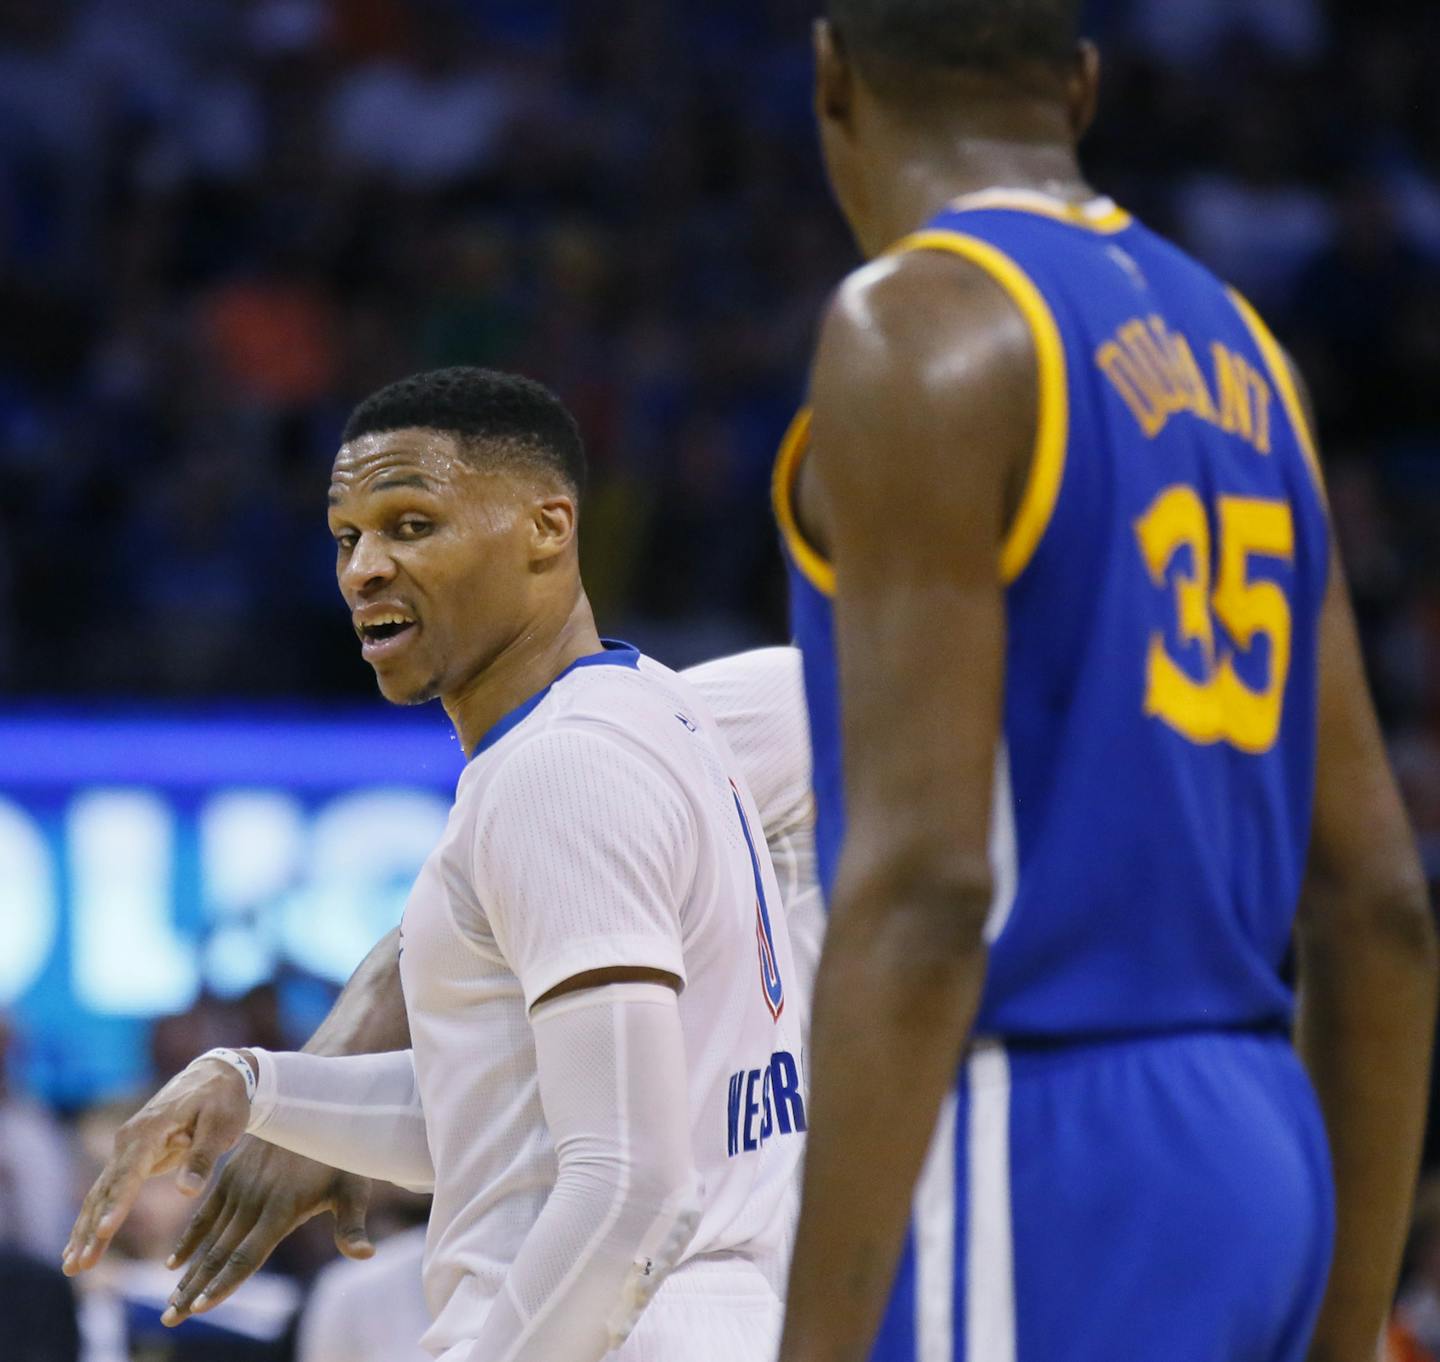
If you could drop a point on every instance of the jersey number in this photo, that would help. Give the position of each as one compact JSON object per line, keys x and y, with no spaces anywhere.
{"x":1220,"y":708}
{"x":771,"y":984}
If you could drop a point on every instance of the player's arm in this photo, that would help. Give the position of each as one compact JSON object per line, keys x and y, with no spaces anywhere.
{"x":368,"y":1017}
{"x":1367,"y":971}
{"x":580,"y":855}
{"x":359,"y":1113}
{"x":925,"y":410}
{"x":612,"y":1070}
{"x":265,"y":1192}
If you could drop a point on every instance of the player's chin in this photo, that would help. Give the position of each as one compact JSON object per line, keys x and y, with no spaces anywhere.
{"x":405,"y":685}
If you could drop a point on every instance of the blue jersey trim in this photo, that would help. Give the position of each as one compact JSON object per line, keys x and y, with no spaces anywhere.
{"x":614,"y":654}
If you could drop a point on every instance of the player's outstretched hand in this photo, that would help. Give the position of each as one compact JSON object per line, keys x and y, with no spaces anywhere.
{"x":189,"y":1124}
{"x":263,"y":1194}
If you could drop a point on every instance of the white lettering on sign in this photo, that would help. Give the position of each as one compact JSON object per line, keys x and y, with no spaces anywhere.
{"x":125,"y":956}
{"x":252,"y":844}
{"x":365,"y":850}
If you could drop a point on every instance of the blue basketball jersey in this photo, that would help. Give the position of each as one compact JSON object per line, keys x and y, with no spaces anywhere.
{"x":1164,"y":576}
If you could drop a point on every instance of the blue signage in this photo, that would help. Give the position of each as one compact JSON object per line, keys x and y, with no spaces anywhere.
{"x":144,"y":859}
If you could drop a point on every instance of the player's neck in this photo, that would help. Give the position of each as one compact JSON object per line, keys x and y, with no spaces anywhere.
{"x":921,"y":172}
{"x":529,"y":663}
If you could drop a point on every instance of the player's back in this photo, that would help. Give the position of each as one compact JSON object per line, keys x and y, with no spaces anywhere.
{"x":1164,"y":576}
{"x":1132,"y":1164}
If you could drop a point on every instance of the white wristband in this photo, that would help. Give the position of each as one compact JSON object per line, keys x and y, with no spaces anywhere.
{"x":236,"y":1061}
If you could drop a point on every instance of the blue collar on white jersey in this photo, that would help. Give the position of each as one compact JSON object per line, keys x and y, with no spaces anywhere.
{"x":614,"y":654}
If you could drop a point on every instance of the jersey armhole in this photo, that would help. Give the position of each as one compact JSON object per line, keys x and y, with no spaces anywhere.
{"x":1284,"y":379}
{"x":808,"y":560}
{"x":1052,"y":433}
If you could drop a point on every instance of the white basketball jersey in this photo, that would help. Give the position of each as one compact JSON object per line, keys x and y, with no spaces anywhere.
{"x":758,"y":700}
{"x":604,"y":823}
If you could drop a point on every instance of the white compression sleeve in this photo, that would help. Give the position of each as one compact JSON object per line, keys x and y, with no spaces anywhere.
{"x":360,"y":1113}
{"x":626,"y":1200}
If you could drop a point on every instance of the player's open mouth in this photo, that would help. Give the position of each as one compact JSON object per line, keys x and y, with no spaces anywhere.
{"x":385,"y":634}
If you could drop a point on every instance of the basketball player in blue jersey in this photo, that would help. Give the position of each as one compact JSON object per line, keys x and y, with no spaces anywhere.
{"x":1071,"y":614}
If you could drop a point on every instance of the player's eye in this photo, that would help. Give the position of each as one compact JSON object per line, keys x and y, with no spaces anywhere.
{"x":413,"y":528}
{"x":345,"y":541}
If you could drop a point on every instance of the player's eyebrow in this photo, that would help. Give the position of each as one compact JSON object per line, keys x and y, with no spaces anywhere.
{"x":399,"y":480}
{"x":405,"y":480}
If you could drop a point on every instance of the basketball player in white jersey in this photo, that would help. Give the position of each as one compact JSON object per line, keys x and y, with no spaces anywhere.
{"x":604,"y":1088}
{"x":265,"y":1192}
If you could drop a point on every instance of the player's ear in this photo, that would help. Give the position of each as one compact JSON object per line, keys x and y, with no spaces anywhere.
{"x":834,"y":78}
{"x":1082,"y":93}
{"x":554,"y":519}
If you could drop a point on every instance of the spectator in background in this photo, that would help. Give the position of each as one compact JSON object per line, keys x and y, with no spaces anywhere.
{"x":1255,"y":219}
{"x":430,"y":116}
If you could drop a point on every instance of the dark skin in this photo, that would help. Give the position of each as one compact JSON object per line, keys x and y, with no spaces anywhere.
{"x":925,"y":409}
{"x":462,"y":578}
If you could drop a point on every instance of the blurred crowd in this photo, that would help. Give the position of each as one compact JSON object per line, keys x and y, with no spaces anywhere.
{"x":222,"y":222}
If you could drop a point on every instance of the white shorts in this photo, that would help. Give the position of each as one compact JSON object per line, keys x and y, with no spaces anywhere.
{"x":708,"y":1311}
{"x":704,"y":1311}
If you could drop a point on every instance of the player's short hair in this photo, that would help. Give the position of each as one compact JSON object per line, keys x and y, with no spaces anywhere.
{"x":936,"y":36}
{"x":498,"y":419}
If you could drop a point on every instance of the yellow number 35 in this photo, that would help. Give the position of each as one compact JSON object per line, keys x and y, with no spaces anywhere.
{"x":1220,"y":708}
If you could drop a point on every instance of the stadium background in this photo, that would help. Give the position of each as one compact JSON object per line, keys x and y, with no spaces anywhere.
{"x":224,"y":221}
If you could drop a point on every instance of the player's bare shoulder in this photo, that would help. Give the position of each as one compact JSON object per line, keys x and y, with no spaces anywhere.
{"x":922,"y":352}
{"x":925,"y":312}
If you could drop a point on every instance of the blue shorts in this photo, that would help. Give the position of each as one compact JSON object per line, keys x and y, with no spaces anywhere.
{"x":1119,"y":1201}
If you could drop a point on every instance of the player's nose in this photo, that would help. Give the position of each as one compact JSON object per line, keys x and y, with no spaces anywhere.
{"x":370,"y":564}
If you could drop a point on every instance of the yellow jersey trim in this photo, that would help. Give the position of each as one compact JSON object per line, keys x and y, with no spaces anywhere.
{"x":1284,"y":377}
{"x":1052,"y":434}
{"x":1115,"y":219}
{"x":811,"y":563}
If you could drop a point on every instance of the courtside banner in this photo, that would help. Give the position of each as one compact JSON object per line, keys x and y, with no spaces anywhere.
{"x":148,"y":857}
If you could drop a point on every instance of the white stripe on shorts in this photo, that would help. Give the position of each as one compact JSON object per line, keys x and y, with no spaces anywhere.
{"x":934,"y":1213}
{"x":989,"y":1251}
{"x":1004,"y":850}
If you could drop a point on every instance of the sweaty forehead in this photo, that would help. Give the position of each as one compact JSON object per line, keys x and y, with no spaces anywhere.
{"x":427,"y":459}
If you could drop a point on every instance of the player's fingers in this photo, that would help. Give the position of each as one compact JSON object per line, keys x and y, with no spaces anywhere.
{"x":81,"y":1230}
{"x":108,"y":1200}
{"x":201,"y":1223}
{"x":352,"y":1203}
{"x":242,"y":1260}
{"x":230,"y":1227}
{"x":106,"y":1206}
